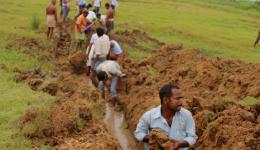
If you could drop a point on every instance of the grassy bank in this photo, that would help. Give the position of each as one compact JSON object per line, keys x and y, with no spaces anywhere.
{"x":218,"y":28}
{"x":16,"y":98}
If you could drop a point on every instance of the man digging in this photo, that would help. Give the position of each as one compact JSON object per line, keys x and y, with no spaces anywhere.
{"x":169,"y":119}
{"x":101,"y":50}
{"x":109,"y":70}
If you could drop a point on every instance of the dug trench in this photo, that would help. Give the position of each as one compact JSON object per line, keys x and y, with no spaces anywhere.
{"x":76,"y":119}
{"x":213,"y":90}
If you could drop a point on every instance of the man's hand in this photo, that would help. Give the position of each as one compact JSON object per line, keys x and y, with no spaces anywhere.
{"x":176,"y":144}
{"x":146,"y":139}
{"x":179,"y":144}
{"x":97,"y":57}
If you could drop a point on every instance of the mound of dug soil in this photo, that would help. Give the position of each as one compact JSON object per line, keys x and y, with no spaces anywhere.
{"x":78,"y":62}
{"x":94,"y":138}
{"x":71,"y":115}
{"x":60,"y":120}
{"x":36,"y":80}
{"x":63,"y":41}
{"x":25,"y":42}
{"x":132,"y":37}
{"x":212,"y":86}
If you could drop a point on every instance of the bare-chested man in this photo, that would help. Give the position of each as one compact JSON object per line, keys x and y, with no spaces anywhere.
{"x":109,"y":18}
{"x":51,"y":14}
{"x":257,"y":38}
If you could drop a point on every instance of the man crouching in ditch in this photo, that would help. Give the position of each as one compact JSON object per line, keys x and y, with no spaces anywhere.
{"x":109,"y":69}
{"x":168,"y":126}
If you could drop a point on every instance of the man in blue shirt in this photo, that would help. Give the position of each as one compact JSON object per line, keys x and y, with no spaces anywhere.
{"x":170,"y":118}
{"x":115,"y":50}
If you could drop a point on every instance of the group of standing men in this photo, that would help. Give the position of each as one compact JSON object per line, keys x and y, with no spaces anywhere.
{"x":82,"y":8}
{"x":88,"y":19}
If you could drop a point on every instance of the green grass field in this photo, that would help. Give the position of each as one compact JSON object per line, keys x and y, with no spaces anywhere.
{"x":16,"y":98}
{"x":218,"y":28}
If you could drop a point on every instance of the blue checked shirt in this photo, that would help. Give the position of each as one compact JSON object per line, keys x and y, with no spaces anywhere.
{"x":182,"y":128}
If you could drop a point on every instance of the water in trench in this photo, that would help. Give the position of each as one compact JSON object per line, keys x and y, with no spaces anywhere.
{"x":117,"y":126}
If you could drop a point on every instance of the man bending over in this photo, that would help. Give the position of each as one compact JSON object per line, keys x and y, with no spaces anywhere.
{"x":109,"y":69}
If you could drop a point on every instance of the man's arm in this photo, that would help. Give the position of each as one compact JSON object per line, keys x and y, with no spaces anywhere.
{"x":191,"y":137}
{"x":101,"y":84}
{"x":79,"y":27}
{"x":190,"y":130}
{"x":257,"y":39}
{"x":55,"y":12}
{"x":96,"y":58}
{"x":97,"y":49}
{"x":89,"y":48}
{"x":142,"y":128}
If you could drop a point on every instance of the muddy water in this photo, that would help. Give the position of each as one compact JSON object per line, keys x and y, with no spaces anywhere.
{"x":116,"y":125}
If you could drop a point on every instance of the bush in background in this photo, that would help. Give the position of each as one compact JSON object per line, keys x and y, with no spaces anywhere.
{"x":35,"y":22}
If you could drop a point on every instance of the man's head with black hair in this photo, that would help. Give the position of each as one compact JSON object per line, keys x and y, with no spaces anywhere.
{"x":171,"y":97}
{"x":100,"y":32}
{"x":85,"y":12}
{"x":107,"y":5}
{"x":53,"y":2}
{"x":102,"y":76}
{"x":89,"y":6}
{"x":98,"y":15}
